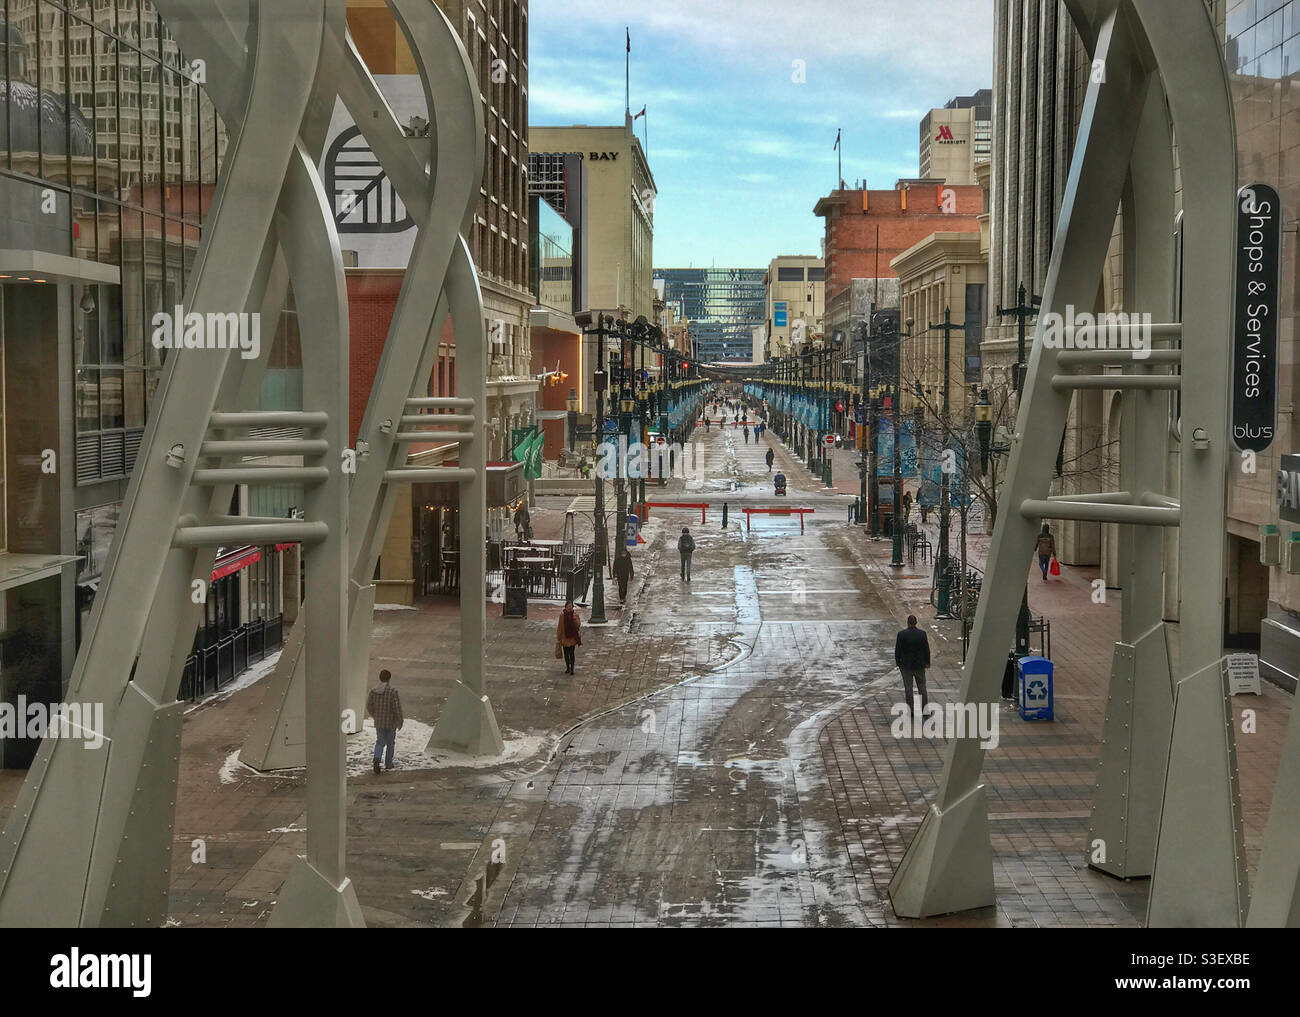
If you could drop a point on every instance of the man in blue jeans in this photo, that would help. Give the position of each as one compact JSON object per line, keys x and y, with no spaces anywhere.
{"x":385,"y":706}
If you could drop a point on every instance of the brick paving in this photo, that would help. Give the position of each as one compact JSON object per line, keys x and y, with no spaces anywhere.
{"x":1041,"y":776}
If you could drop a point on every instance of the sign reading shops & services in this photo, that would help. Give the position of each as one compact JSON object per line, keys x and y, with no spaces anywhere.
{"x":1254,"y":355}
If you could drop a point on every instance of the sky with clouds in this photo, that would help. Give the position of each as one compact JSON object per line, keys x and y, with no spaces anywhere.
{"x":741,"y":152}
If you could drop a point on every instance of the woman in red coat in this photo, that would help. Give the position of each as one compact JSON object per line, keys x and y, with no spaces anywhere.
{"x":566,"y":635}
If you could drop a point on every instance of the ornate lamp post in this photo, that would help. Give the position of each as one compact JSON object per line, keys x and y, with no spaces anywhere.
{"x":600,"y":382}
{"x":896,"y":415}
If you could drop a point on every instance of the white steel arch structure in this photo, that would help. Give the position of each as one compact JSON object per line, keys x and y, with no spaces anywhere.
{"x":89,"y":842}
{"x":1166,"y":802}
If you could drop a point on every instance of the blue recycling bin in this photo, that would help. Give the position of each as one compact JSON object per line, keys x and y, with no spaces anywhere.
{"x":1035,"y":681}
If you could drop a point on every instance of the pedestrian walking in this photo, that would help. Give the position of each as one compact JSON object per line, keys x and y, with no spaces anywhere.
{"x":385,"y":706}
{"x":746,"y":435}
{"x":724,"y":515}
{"x":912,"y":656}
{"x":686,"y":547}
{"x":907,"y":507}
{"x":622,"y":572}
{"x":771,"y":456}
{"x":706,"y":425}
{"x":567,"y":636}
{"x":1046,"y":548}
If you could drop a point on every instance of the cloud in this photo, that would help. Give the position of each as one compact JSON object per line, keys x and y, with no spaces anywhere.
{"x":957,"y":33}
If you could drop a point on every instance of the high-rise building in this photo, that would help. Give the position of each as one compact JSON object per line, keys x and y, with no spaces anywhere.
{"x":794,"y":301}
{"x":620,"y":194}
{"x":109,"y":153}
{"x":957,"y":138}
{"x":723,"y":306}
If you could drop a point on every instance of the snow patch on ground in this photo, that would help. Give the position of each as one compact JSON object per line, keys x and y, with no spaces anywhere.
{"x":232,"y":769}
{"x":433,"y":893}
{"x":410,"y":752}
{"x":291,"y":828}
{"x":394,"y":607}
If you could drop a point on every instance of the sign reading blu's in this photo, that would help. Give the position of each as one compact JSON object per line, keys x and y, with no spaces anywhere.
{"x":1254,"y":358}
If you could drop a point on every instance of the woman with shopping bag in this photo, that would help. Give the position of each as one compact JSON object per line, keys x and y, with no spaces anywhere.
{"x":1046,"y":549}
{"x":567,"y":638}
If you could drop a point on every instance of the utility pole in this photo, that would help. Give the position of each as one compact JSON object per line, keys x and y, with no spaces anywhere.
{"x":1022,"y":312}
{"x":945,"y":478}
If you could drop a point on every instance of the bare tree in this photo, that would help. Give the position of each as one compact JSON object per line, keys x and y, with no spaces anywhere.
{"x":953,"y":440}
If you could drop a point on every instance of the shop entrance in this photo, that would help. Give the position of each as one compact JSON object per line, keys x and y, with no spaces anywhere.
{"x":1245,"y":603}
{"x":436,"y":540}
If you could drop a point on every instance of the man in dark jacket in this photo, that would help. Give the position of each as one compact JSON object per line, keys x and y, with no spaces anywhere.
{"x":770,"y":456}
{"x":686,"y":547}
{"x":622,"y":572}
{"x":912,"y":655}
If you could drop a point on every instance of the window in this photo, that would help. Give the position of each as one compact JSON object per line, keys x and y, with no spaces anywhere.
{"x":785,"y":274}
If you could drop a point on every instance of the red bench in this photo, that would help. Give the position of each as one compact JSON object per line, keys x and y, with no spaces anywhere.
{"x":800,"y":512}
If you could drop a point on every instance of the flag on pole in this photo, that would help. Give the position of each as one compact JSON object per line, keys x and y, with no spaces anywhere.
{"x":534,"y":467}
{"x":640,"y":115}
{"x":629,"y":40}
{"x":837,"y":140}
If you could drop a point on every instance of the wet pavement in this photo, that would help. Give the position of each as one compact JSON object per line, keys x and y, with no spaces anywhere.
{"x":723,"y":755}
{"x":704,"y":804}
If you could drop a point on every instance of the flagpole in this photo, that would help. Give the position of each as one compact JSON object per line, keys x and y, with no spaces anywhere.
{"x":627,"y":75}
{"x":839,"y":151}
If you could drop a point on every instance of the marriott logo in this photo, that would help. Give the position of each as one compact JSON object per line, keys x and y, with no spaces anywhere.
{"x":945,"y":134}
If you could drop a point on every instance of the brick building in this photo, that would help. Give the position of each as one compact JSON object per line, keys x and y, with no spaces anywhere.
{"x":866,"y":230}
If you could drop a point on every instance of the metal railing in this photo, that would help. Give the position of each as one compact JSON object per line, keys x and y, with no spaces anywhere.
{"x":213,"y":666}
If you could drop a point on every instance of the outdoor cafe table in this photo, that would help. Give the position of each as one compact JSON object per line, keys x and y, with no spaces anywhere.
{"x":537,"y":565}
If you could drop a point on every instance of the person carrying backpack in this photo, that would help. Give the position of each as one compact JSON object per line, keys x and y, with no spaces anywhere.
{"x":686,"y":547}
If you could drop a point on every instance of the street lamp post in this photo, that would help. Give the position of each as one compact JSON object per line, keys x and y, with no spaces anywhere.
{"x":599,"y":553}
{"x":945,"y":478}
{"x":571,"y":404}
{"x":860,"y":420}
{"x":896,"y":415}
{"x":1023,"y":311}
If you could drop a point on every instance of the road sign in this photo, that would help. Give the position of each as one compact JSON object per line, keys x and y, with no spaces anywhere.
{"x":829,"y":441}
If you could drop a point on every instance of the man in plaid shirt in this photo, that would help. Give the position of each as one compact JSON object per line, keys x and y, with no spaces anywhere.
{"x":385,"y":705}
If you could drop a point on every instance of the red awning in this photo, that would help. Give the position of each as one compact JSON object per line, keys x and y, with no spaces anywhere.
{"x":231,"y":563}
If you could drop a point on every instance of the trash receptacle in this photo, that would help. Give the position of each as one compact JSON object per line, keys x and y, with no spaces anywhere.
{"x":516,"y":594}
{"x":1035,"y":688}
